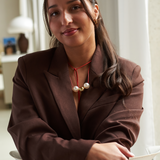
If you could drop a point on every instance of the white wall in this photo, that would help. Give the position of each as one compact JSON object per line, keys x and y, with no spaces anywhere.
{"x":9,"y":9}
{"x":154,"y":33}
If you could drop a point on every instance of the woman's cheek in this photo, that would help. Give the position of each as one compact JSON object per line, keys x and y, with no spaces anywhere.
{"x":52,"y":26}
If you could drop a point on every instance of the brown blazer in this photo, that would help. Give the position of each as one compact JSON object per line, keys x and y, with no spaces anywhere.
{"x":45,"y":124}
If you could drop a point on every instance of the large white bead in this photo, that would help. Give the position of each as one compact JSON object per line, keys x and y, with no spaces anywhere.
{"x":86,"y":85}
{"x":75,"y":88}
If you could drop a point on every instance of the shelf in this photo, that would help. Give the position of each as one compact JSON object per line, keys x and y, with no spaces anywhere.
{"x":11,"y":58}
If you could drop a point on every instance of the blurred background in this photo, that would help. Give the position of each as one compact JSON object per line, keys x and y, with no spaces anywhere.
{"x":134,"y":28}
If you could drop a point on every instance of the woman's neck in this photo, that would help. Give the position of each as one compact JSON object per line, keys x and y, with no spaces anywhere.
{"x":78,"y":56}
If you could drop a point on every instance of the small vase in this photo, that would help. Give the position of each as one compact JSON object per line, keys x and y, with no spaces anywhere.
{"x":23,"y":43}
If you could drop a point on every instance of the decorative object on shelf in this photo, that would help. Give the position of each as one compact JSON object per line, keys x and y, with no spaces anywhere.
{"x":23,"y":43}
{"x":22,"y":24}
{"x":9,"y":45}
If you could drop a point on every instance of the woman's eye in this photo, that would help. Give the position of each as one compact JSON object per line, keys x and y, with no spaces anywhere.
{"x":75,"y":7}
{"x":54,"y":14}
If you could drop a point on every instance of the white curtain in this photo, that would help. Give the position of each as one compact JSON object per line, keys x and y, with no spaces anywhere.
{"x":127,"y":23}
{"x":39,"y":40}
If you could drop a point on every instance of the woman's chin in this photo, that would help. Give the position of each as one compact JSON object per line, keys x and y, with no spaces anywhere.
{"x":72,"y":44}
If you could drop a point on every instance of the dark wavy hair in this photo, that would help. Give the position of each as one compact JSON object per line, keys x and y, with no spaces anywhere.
{"x":113,"y":77}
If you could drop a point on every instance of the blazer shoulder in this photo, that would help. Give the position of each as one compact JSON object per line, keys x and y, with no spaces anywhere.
{"x":125,"y":63}
{"x":35,"y":63}
{"x":128,"y":66}
{"x":132,"y":70}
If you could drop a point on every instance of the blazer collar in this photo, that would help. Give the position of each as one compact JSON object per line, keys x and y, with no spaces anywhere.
{"x":59,"y":81}
{"x":59,"y":63}
{"x":90,"y":96}
{"x":97,"y":62}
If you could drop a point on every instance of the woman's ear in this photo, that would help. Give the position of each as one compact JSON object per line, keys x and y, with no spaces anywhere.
{"x":96,"y":11}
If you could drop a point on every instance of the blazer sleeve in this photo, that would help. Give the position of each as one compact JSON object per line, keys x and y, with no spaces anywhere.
{"x":35,"y":139}
{"x":123,"y":123}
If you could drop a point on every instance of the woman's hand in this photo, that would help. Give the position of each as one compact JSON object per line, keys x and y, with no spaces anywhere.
{"x":108,"y":151}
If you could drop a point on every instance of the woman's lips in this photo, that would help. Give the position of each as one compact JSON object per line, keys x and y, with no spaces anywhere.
{"x":70,"y":32}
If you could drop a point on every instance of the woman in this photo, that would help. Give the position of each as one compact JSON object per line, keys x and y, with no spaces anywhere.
{"x":77,"y":100}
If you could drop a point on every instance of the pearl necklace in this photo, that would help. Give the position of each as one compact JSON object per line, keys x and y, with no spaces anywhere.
{"x":85,"y":86}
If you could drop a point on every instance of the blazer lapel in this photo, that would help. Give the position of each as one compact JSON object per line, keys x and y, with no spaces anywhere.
{"x":58,"y":79}
{"x":90,"y":96}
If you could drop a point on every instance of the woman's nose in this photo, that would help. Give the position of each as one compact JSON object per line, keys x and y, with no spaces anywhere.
{"x":66,"y":19}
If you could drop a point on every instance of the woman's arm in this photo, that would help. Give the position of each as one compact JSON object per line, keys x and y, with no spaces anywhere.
{"x":120,"y":129}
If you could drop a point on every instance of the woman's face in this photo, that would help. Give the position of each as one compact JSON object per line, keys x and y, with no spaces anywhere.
{"x":69,"y":22}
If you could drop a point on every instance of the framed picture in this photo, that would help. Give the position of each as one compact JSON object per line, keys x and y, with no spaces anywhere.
{"x":9,"y":45}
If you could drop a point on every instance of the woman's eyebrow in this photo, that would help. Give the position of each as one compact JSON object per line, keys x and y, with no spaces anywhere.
{"x":72,"y":1}
{"x":53,"y":6}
